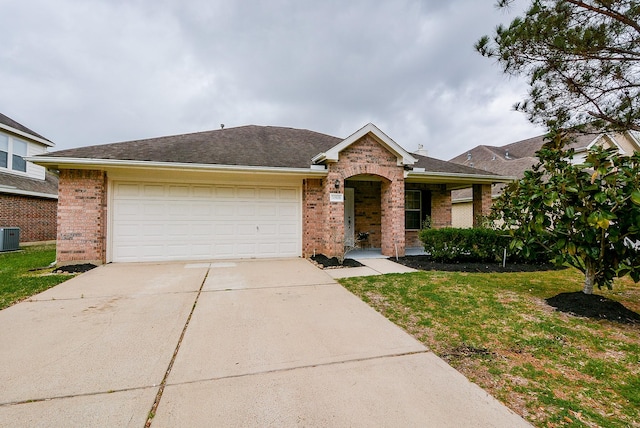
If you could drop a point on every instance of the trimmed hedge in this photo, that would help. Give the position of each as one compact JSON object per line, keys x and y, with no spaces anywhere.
{"x":452,"y":245}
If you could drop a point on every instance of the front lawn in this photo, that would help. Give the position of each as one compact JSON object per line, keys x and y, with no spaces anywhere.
{"x":17,"y":281}
{"x":552,"y":368}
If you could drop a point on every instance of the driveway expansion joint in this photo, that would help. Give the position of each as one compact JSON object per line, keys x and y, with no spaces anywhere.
{"x":156,"y":402}
{"x":303,"y":367}
{"x":85,"y":394}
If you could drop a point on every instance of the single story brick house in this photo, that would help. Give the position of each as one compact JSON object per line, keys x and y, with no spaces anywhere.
{"x":250,"y":192}
{"x":28,"y":192}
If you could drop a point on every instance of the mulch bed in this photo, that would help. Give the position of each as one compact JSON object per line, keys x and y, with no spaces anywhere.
{"x":75,"y":268}
{"x":576,"y":303}
{"x":425,"y":263}
{"x":333,"y":262}
{"x":593,"y":306}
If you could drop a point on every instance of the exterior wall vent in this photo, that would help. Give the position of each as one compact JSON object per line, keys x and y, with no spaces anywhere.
{"x":9,"y":238}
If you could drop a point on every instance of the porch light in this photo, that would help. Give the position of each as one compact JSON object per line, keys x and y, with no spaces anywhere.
{"x":337,"y":184}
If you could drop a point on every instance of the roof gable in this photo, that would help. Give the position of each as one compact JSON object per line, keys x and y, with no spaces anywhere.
{"x":333,"y":154}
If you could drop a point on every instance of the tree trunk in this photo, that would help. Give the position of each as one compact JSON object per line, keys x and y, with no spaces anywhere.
{"x":589,"y":278}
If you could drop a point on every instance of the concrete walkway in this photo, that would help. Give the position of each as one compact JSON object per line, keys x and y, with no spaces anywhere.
{"x":372,"y":266}
{"x":251,"y":343}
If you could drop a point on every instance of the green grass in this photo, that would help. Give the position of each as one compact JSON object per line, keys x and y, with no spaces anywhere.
{"x":17,"y":282}
{"x":552,"y":368}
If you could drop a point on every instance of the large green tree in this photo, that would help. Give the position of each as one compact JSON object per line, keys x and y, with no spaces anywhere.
{"x":582,"y":59}
{"x":586,"y":215}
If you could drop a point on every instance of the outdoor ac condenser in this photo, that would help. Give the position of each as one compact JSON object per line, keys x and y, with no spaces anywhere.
{"x":9,"y":238}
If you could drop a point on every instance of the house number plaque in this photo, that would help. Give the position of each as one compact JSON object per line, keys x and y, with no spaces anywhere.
{"x":336,"y":197}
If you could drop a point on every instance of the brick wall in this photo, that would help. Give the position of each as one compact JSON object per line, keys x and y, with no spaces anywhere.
{"x":82,"y":217}
{"x":36,"y":217}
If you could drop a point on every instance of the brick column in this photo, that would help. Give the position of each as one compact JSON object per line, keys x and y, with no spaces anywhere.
{"x":440,"y":208}
{"x":82,"y":217}
{"x":392,"y":209}
{"x":481,"y":202}
{"x":313,"y":211}
{"x":333,"y":214}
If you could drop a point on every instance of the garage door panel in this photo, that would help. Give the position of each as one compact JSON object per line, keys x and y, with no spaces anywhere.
{"x":246,"y":193}
{"x":288,"y":194}
{"x":175,"y":221}
{"x":290,"y":229}
{"x":128,"y":190}
{"x":288,"y":210}
{"x":177,"y":191}
{"x":269,"y":210}
{"x":268,"y":193}
{"x":153,"y":190}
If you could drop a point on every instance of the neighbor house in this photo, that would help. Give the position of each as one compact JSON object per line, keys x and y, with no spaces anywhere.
{"x":251,"y":192}
{"x":28,"y":192}
{"x":515,"y":158}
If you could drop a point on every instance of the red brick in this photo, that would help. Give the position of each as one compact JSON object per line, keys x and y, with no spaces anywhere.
{"x":82,"y":217}
{"x":36,"y":217}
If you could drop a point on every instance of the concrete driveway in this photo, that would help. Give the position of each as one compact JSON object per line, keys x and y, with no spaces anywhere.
{"x":248,"y":343}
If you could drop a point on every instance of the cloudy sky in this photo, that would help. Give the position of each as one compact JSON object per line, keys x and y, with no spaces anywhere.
{"x":84,"y":72}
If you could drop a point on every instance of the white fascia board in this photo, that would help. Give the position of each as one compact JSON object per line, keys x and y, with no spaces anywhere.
{"x":332,"y":155}
{"x":15,"y":191}
{"x":600,"y":137}
{"x":633,"y":138}
{"x":26,"y":135}
{"x":453,"y":178}
{"x":85,"y":163}
{"x":470,"y":199}
{"x":594,"y":141}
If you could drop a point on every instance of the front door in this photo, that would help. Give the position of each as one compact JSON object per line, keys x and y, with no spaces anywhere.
{"x":349,"y":218}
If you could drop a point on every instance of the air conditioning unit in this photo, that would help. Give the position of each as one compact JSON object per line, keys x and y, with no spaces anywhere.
{"x":9,"y":238}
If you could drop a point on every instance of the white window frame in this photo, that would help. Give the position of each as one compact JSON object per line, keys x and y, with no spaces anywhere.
{"x":4,"y":148}
{"x":10,"y":151}
{"x":17,"y":142}
{"x":418,"y":210}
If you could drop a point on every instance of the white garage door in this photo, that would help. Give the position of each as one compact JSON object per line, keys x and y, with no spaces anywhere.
{"x":157,"y":222}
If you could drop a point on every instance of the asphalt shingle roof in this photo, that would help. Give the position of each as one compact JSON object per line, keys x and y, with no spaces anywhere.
{"x":5,"y":120}
{"x":515,"y":158}
{"x":251,"y":145}
{"x":510,"y":160}
{"x":437,"y":165}
{"x":15,"y":182}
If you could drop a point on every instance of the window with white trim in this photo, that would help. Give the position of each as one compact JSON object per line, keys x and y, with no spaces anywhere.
{"x":13,"y":152}
{"x":4,"y":151}
{"x":412,"y":209}
{"x":19,"y":153}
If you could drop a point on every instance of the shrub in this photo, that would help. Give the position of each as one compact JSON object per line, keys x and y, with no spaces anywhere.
{"x":451,"y":245}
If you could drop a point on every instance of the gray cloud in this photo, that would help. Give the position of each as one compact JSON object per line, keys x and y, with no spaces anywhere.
{"x":101,"y":71}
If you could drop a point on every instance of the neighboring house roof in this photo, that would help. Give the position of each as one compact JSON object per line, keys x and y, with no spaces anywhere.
{"x":447,"y":167}
{"x":11,"y":125}
{"x":25,"y":186}
{"x":515,"y":158}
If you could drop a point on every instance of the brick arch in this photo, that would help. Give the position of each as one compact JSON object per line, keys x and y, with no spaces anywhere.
{"x":369,"y":170}
{"x":374,"y":170}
